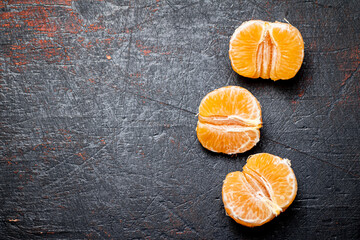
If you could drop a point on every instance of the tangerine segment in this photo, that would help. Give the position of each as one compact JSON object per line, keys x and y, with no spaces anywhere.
{"x":234,"y":102}
{"x":227,"y":138}
{"x":278,"y":176}
{"x":229,"y":120}
{"x":241,"y":204}
{"x":266,"y":50}
{"x":266,"y":186}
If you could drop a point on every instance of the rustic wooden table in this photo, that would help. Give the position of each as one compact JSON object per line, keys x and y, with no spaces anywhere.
{"x":98,"y":115}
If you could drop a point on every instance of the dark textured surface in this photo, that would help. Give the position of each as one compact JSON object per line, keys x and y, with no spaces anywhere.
{"x":98,"y":115}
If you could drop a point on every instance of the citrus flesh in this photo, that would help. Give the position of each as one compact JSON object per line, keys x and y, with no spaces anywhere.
{"x":266,"y":50}
{"x":229,"y":120}
{"x":265,"y":188}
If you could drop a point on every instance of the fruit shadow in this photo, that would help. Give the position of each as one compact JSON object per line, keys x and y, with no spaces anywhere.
{"x":275,"y":227}
{"x":290,"y":88}
{"x":258,"y":148}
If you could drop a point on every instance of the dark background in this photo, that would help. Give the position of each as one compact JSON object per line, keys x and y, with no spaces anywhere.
{"x":98,"y":116}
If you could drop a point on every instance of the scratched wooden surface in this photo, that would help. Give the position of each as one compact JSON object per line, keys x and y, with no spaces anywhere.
{"x":98,"y":115}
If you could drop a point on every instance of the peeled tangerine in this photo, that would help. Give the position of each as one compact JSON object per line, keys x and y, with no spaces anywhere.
{"x":229,"y":120}
{"x":266,"y":50}
{"x":265,"y":188}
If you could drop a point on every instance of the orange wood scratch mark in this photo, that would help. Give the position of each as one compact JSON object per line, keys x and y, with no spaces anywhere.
{"x":36,"y":49}
{"x":73,"y":23}
{"x":108,"y":234}
{"x":66,"y":134}
{"x":302,"y":93}
{"x":144,"y":49}
{"x":16,"y":57}
{"x":47,"y":2}
{"x":95,"y":27}
{"x":165,"y":53}
{"x":108,"y":40}
{"x":13,"y":220}
{"x":153,"y":9}
{"x":88,"y":45}
{"x":44,"y":19}
{"x":348,"y":59}
{"x":146,"y":52}
{"x":82,"y":155}
{"x":109,"y":31}
{"x":347,"y":76}
{"x":294,"y":105}
{"x":35,"y":17}
{"x":137,"y":75}
{"x":21,"y":63}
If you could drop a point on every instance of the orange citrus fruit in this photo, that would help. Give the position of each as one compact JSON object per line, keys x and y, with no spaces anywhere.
{"x":266,"y":50}
{"x":229,"y":120}
{"x":266,"y":186}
